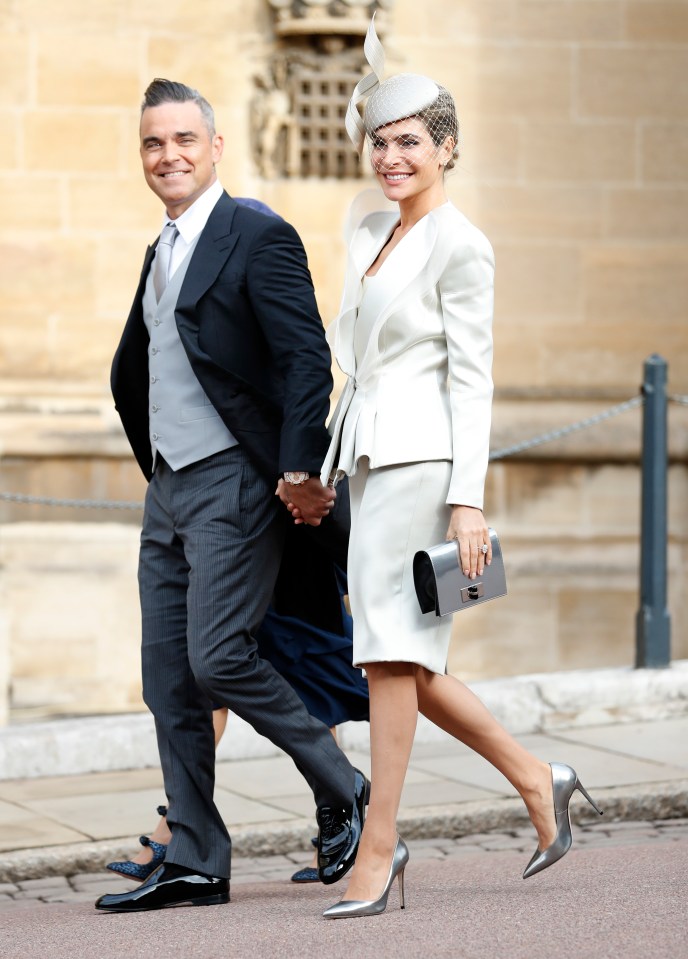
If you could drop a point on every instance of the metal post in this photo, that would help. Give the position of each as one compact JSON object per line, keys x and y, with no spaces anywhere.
{"x":653,"y":623}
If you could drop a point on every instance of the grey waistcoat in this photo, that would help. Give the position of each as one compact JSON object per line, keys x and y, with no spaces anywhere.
{"x":184,"y":425}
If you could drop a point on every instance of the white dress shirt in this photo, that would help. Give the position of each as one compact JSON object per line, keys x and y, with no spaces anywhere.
{"x":192,"y":222}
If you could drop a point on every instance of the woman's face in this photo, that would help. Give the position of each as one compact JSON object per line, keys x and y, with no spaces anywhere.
{"x":406,"y":160}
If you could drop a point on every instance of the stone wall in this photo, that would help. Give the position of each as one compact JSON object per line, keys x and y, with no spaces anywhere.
{"x":72,"y":630}
{"x":567,"y":513}
{"x":575,"y":163}
{"x":72,"y":617}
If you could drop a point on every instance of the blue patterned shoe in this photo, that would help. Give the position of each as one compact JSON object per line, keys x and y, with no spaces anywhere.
{"x":140,"y":870}
{"x":307,"y":874}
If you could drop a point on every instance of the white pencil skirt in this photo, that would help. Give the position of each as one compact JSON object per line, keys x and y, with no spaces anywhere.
{"x":395,"y":511}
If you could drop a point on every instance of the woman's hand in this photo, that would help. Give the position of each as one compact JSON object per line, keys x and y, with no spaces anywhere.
{"x":468,"y":527}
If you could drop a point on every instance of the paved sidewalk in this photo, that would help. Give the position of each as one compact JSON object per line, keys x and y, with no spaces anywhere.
{"x":70,"y":826}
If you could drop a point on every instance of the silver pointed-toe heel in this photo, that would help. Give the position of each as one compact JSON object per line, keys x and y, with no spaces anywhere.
{"x":374,"y":907}
{"x":564,"y":783}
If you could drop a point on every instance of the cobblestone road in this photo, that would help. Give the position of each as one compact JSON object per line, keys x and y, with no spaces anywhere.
{"x":86,"y":887}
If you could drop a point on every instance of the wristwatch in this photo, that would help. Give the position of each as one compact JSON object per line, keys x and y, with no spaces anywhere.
{"x":296,"y":479}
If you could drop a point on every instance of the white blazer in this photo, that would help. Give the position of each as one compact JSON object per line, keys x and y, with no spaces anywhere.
{"x":426,"y":372}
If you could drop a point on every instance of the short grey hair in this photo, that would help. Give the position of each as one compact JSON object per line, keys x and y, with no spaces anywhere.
{"x":161,"y":91}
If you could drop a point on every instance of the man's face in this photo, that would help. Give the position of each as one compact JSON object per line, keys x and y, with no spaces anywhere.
{"x":178,"y":154}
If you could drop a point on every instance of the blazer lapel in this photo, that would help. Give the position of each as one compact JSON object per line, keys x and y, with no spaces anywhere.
{"x":135,"y":318}
{"x":370,"y":239}
{"x":147,"y":260}
{"x":365,"y":247}
{"x":405,"y":266}
{"x":145,"y":269}
{"x":214,"y":247}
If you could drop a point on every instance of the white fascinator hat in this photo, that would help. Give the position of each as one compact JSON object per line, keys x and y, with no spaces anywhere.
{"x":401,"y":96}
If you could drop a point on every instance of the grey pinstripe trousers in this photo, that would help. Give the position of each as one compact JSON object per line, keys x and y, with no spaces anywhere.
{"x":210,"y":550}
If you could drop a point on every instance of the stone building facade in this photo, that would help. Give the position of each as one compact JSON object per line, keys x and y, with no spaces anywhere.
{"x":574,"y":162}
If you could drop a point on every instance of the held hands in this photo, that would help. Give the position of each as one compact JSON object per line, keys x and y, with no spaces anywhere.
{"x":307,"y":503}
{"x":468,"y":527}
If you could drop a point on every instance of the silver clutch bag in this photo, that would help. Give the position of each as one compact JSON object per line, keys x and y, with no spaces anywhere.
{"x":441,"y":585}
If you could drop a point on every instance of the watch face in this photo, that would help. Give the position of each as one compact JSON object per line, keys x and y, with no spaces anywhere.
{"x":296,"y":479}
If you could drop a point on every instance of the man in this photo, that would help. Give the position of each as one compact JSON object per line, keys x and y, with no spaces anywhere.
{"x":222,"y":381}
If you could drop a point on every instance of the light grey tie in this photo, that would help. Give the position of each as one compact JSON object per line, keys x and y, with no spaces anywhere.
{"x":163,"y":255}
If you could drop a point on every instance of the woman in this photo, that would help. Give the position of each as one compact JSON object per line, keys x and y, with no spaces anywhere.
{"x":412,"y":433}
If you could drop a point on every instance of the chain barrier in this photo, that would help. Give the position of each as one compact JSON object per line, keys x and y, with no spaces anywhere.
{"x":72,"y":503}
{"x":566,"y":430}
{"x":498,"y":454}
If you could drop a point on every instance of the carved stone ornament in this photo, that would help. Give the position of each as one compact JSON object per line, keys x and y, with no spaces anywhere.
{"x":346,"y":17}
{"x":298,"y":113}
{"x":297,"y":116}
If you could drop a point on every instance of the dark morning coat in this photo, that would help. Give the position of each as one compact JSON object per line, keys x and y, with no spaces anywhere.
{"x":249,"y":323}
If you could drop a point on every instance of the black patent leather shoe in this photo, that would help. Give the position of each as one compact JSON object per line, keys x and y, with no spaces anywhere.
{"x":169,"y":885}
{"x":340,"y":833}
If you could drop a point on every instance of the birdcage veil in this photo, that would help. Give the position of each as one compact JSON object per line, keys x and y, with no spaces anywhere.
{"x":394,"y":107}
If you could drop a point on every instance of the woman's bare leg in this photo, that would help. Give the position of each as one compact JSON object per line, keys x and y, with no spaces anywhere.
{"x":448,"y":703}
{"x":219,"y":723}
{"x":393,"y":717}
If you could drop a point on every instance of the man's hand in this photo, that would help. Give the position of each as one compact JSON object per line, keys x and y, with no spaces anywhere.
{"x":309,"y":502}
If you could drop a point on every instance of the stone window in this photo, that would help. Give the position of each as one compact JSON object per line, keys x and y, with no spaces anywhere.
{"x":297,"y":115}
{"x":319,"y":107}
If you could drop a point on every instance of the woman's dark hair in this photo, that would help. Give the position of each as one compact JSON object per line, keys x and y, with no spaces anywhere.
{"x":441,"y":122}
